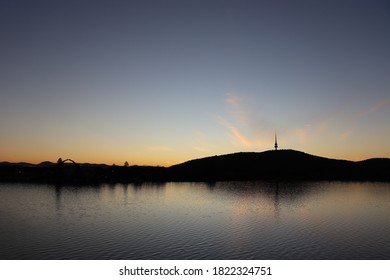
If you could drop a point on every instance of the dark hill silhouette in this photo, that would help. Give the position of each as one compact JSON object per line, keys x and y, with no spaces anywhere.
{"x":268,"y":165}
{"x":281,"y":164}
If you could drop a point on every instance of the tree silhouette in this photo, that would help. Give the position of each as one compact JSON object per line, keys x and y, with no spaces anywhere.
{"x":126,"y":164}
{"x":60,"y":162}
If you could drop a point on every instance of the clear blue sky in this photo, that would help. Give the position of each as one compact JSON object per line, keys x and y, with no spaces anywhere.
{"x":161,"y":82}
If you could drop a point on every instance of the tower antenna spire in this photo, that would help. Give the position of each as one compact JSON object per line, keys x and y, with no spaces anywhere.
{"x":276,"y":142}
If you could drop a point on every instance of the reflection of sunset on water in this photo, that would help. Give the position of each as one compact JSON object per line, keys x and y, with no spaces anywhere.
{"x":220,"y":220}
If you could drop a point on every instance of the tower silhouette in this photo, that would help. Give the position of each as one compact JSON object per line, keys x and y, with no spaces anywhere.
{"x":276,"y":142}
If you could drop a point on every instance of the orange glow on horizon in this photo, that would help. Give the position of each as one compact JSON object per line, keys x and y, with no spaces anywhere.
{"x":151,"y":159}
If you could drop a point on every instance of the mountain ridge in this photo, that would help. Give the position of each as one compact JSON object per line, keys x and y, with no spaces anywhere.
{"x":280,"y":164}
{"x":266,"y":165}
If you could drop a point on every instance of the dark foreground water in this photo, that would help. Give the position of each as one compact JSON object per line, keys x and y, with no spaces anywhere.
{"x":226,"y":220}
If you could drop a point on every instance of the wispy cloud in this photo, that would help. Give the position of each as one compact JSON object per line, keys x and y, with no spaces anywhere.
{"x":339,"y":125}
{"x":237,"y":138}
{"x":376,"y":107}
{"x":310,"y":132}
{"x":245,"y":129}
{"x":237,"y":108}
{"x":354,"y":119}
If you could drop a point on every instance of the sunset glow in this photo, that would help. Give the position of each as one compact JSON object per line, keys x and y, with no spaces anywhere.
{"x":162,"y":82}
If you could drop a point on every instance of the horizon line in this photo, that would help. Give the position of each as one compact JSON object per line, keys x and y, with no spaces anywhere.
{"x":209,"y":156}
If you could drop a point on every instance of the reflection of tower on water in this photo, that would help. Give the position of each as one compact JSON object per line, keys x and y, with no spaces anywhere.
{"x":276,"y":201}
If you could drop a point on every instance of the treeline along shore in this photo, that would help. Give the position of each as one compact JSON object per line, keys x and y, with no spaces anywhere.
{"x":268,"y":165}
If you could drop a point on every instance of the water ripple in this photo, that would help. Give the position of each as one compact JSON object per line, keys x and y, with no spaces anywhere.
{"x":231,"y":220}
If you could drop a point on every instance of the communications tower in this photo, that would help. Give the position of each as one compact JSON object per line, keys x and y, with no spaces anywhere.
{"x":276,"y":142}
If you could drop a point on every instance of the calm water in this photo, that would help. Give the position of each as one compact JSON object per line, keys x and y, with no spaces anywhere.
{"x":226,"y":220}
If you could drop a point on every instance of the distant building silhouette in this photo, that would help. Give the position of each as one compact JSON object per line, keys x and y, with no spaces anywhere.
{"x":61,"y":162}
{"x":276,"y":142}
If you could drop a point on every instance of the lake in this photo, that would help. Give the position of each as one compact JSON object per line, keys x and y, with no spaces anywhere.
{"x":222,"y":220}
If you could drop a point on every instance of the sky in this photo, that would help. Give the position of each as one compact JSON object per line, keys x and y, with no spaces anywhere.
{"x":163,"y":82}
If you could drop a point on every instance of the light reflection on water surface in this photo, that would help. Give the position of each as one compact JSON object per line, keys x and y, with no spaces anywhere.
{"x":223,"y":220}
